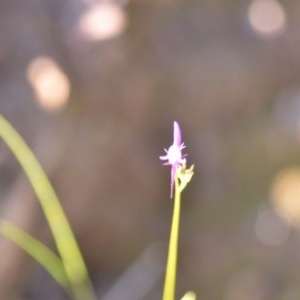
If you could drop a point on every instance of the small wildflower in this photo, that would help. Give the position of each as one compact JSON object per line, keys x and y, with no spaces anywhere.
{"x":174,"y":156}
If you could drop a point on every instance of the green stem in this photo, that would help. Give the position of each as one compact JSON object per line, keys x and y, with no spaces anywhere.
{"x":170,"y":277}
{"x":64,"y":238}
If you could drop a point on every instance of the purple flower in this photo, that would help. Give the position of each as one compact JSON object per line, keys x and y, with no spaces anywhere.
{"x":174,"y":156}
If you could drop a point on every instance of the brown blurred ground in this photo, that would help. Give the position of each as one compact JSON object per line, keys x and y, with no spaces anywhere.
{"x":236,"y":94}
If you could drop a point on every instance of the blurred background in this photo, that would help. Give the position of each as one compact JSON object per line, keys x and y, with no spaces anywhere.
{"x":94,"y":86}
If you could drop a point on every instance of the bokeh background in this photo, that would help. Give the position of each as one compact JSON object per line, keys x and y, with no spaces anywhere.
{"x":94,"y":86}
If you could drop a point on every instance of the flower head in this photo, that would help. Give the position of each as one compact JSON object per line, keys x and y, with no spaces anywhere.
{"x":174,"y":155}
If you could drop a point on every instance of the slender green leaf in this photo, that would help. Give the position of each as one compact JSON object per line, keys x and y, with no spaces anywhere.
{"x":62,"y":233}
{"x":41,"y":253}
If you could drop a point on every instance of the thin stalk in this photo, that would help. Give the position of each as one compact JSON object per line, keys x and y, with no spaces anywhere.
{"x":67,"y":246}
{"x":171,"y":269}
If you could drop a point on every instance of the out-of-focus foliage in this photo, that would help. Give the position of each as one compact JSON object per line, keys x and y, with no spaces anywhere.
{"x":93,"y":87}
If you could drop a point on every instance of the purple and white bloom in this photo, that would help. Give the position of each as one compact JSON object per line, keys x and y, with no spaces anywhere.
{"x":174,"y":155}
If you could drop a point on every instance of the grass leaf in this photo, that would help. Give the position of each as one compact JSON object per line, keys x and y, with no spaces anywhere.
{"x":41,"y":253}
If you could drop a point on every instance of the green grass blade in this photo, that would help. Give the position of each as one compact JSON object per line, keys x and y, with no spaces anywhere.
{"x":62,"y":233}
{"x":41,"y":253}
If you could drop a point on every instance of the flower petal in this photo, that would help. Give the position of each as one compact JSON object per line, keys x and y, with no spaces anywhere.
{"x":173,"y":174}
{"x":164,"y":157}
{"x":176,"y":135}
